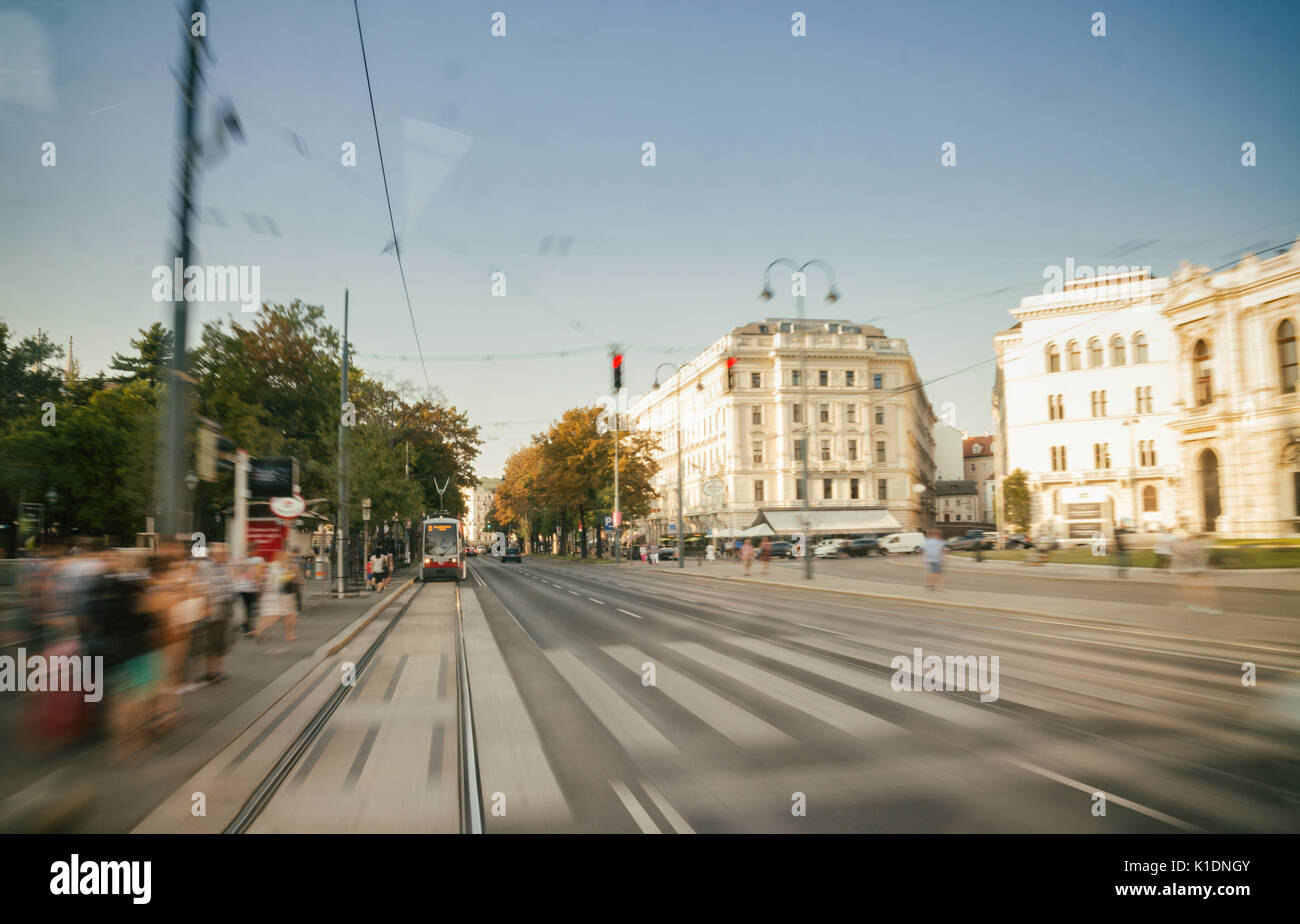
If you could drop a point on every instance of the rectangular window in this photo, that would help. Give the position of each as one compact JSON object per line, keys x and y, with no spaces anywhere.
{"x":1054,"y":463}
{"x":756,"y":380}
{"x":853,"y":450}
{"x":756,"y":414}
{"x":849,"y":378}
{"x":798,"y":450}
{"x":878,"y":381}
{"x":758,"y":491}
{"x":880,"y":450}
{"x":1051,"y":407}
{"x":824,"y":413}
{"x":798,"y":489}
{"x":827,"y":493}
{"x":797,"y":413}
{"x":823,"y":377}
{"x":851,"y":413}
{"x":826,"y":450}
{"x":880,"y":417}
{"x":758,"y":452}
{"x":882,"y":489}
{"x":1064,"y":464}
{"x":794,"y":377}
{"x":854,"y":491}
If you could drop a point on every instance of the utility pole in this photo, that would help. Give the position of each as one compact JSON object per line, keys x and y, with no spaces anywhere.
{"x":617,"y":361}
{"x":171,"y":464}
{"x":341,"y":524}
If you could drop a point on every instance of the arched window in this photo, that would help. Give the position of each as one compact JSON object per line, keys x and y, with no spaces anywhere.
{"x":1150,"y":501}
{"x":1095,"y":355}
{"x":1117,"y":350}
{"x":1053,"y":358}
{"x":1287,"y":367}
{"x":1139,"y":348}
{"x":1202,"y":376}
{"x":1072,"y":354}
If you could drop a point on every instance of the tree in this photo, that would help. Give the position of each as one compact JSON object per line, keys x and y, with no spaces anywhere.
{"x":153,"y":353}
{"x":1015,"y":499}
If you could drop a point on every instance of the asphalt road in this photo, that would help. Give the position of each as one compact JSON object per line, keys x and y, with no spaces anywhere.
{"x":773,"y":711}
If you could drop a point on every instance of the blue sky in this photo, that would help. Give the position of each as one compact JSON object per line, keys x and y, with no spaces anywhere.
{"x":826,"y":146}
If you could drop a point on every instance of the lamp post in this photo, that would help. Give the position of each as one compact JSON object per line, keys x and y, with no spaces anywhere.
{"x":832,"y":296}
{"x":681,"y":541}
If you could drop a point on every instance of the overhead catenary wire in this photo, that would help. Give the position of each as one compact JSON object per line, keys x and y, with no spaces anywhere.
{"x":397,"y":248}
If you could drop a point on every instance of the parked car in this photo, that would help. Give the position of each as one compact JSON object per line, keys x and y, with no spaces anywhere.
{"x":830,"y":548}
{"x":512,"y":554}
{"x":862,"y":547}
{"x":1018,"y":541}
{"x":782,"y":549}
{"x":668,"y":553}
{"x":973,"y":539}
{"x":902,"y":544}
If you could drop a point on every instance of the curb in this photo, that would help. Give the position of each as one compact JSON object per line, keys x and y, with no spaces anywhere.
{"x":361,"y":622}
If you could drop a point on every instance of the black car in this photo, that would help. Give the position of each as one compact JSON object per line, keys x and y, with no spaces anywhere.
{"x":860,"y":548}
{"x":667,"y":553}
{"x":782,"y":549}
{"x":974,"y":539}
{"x":512,"y":554}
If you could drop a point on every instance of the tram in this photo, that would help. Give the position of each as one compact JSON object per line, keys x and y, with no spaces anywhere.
{"x":442,"y":549}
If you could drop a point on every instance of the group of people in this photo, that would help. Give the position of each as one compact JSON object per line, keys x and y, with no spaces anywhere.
{"x":162,"y":620}
{"x":649,"y":553}
{"x":379,"y":570}
{"x":763,"y":553}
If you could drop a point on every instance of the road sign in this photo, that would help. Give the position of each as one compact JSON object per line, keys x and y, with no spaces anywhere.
{"x":714,"y":487}
{"x":672,"y":529}
{"x":288,"y":508}
{"x":365,"y":510}
{"x":609,"y":522}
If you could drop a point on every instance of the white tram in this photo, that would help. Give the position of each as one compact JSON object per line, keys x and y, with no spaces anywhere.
{"x":442,"y":549}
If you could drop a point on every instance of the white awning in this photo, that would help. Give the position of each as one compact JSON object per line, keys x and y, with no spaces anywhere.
{"x":838,"y":520}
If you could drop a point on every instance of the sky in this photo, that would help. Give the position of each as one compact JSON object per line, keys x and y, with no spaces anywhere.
{"x":522,"y":154}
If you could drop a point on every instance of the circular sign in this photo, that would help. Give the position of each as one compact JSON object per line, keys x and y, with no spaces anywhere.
{"x":288,"y":508}
{"x":714,"y":487}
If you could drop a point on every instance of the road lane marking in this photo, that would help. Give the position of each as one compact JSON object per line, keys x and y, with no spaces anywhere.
{"x":637,"y":735}
{"x":575,"y":593}
{"x":676,"y":820}
{"x":731,"y":721}
{"x":1110,"y":797}
{"x":639,"y":815}
{"x":633,"y":615}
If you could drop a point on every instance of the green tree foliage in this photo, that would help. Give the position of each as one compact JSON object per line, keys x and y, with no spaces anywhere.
{"x":153,"y":352}
{"x":1015,"y":499}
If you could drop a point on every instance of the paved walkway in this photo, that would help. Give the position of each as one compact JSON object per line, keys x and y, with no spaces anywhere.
{"x":1248,"y":578}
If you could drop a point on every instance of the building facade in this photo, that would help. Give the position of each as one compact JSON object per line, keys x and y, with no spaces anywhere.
{"x":980,"y":465}
{"x":948,"y":463}
{"x":478,"y":502}
{"x":1085,"y":393}
{"x":957,"y":502}
{"x":862,"y":416}
{"x":1236,"y":422}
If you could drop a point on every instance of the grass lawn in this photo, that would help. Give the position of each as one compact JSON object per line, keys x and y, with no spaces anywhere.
{"x":1237,"y":554}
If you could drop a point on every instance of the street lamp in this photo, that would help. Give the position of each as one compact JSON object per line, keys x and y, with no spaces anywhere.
{"x":832,"y":296}
{"x":681,"y":542}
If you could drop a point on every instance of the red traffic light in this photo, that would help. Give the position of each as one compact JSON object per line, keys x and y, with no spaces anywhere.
{"x":731,"y":361}
{"x":618,"y":360}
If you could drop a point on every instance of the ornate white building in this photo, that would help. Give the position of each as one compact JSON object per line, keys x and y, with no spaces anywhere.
{"x":1237,"y":409}
{"x":866,"y":424}
{"x":1086,"y":390}
{"x":478,"y":501}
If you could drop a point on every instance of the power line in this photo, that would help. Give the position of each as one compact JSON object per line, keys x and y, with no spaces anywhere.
{"x":397,"y":250}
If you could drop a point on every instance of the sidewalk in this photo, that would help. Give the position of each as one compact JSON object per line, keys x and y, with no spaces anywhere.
{"x":1241,"y":628}
{"x":79,"y":789}
{"x":1236,"y":578}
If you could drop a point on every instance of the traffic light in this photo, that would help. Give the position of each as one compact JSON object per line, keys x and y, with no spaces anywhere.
{"x":618,"y":371}
{"x":731,"y":374}
{"x":211,"y":452}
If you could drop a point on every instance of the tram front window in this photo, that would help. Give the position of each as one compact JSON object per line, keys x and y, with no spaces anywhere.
{"x":440,"y":541}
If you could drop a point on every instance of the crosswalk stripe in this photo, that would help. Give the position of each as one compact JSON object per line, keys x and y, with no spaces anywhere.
{"x":821,"y":707}
{"x":639,"y":815}
{"x":674,"y":818}
{"x":634,"y":732}
{"x":720,"y":714}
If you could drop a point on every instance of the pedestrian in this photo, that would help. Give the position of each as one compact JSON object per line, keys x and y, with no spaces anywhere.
{"x":765,"y":554}
{"x":654,"y":553}
{"x":933,"y":553}
{"x":247,"y":580}
{"x":215,"y":575}
{"x":1121,"y":552}
{"x":278,"y":597}
{"x":710,"y":552}
{"x":370,"y":573}
{"x":1164,"y":549}
{"x":377,"y":570}
{"x":747,"y":555}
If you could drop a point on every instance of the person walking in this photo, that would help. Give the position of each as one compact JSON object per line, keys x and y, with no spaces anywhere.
{"x":1164,"y":549}
{"x":1121,"y":552}
{"x":765,"y":554}
{"x":933,"y":553}
{"x":747,"y":555}
{"x":215,"y":575}
{"x":277,"y":597}
{"x":654,"y":553}
{"x":247,"y":580}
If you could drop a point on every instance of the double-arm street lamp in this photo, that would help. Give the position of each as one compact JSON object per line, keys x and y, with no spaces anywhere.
{"x":681,"y":542}
{"x":799,"y":289}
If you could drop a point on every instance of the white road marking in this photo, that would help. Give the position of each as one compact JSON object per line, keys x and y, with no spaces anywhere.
{"x":676,"y":820}
{"x":635,"y":732}
{"x":575,"y":593}
{"x":594,"y":600}
{"x":633,"y":615}
{"x":639,"y":814}
{"x":1127,"y":803}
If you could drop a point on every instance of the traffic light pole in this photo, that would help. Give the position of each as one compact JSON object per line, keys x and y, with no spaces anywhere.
{"x":617,"y":361}
{"x":341,"y":524}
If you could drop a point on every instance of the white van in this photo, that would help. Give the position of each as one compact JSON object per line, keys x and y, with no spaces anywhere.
{"x":902,"y":544}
